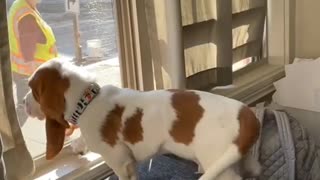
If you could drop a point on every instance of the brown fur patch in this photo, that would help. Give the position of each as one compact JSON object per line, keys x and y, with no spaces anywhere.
{"x":133,"y":131}
{"x":48,"y":87}
{"x":111,"y":127}
{"x":249,"y":130}
{"x":189,"y":112}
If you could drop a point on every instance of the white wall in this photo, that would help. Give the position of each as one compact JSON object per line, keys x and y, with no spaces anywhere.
{"x":307,"y":38}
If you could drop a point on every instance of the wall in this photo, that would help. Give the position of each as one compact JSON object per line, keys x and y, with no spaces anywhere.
{"x":307,"y":28}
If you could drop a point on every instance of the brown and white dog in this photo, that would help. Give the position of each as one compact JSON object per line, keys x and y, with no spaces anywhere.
{"x":126,"y":126}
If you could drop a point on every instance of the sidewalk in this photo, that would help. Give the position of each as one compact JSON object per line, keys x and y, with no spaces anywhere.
{"x":96,"y":22}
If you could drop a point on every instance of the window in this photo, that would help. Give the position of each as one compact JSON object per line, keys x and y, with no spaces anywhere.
{"x":248,"y":32}
{"x":145,"y":60}
{"x":255,"y":79}
{"x":99,"y":54}
{"x":252,"y":36}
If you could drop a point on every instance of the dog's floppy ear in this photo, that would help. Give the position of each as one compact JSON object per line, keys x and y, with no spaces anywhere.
{"x":48,"y":88}
{"x":55,"y":137}
{"x":52,"y":104}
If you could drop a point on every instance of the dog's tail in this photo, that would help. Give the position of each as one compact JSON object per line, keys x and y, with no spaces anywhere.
{"x":229,"y":158}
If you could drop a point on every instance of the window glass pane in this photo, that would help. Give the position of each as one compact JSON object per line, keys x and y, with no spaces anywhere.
{"x":99,"y":50}
{"x":241,"y":64}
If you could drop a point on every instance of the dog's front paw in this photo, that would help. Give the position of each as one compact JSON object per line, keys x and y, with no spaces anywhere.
{"x":79,"y":146}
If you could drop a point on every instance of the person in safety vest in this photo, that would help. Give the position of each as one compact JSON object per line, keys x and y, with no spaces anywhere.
{"x":32,"y":43}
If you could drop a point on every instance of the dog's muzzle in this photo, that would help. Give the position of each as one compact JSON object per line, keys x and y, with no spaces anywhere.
{"x":32,"y":107}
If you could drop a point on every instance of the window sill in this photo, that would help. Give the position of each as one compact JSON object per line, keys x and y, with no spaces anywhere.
{"x":253,"y":83}
{"x":69,"y":166}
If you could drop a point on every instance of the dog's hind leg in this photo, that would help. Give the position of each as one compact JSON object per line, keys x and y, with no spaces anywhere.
{"x":121,"y":161}
{"x":229,"y":174}
{"x":228,"y":158}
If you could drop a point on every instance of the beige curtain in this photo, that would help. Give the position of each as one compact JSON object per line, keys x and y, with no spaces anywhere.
{"x":17,"y":159}
{"x":142,"y":46}
{"x":215,"y":34}
{"x":207,"y":42}
{"x":134,"y":49}
{"x":207,"y":26}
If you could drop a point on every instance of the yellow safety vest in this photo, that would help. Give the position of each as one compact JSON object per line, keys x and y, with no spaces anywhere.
{"x":43,"y":53}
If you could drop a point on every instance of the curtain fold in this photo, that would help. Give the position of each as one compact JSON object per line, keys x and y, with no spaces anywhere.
{"x":126,"y":44}
{"x":134,"y":49}
{"x":17,"y":159}
{"x":2,"y":166}
{"x":166,"y":43}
